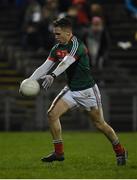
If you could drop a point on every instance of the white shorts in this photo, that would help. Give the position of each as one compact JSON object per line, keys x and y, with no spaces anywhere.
{"x":86,"y":99}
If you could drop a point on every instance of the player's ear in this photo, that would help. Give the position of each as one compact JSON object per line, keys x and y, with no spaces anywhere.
{"x":68,"y":33}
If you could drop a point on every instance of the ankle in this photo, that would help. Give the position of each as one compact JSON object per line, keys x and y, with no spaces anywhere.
{"x":119,"y":149}
{"x":58,"y":146}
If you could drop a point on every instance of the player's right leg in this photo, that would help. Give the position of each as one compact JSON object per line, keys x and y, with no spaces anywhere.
{"x":57,"y":109}
{"x":54,"y":113}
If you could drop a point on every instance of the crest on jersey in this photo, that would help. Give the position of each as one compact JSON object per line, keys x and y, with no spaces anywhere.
{"x":61,"y":54}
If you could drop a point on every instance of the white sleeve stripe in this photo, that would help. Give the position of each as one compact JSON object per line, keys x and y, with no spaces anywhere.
{"x":56,"y":45}
{"x":74,"y":51}
{"x":74,"y":47}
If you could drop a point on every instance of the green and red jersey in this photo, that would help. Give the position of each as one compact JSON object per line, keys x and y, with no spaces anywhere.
{"x":78,"y":74}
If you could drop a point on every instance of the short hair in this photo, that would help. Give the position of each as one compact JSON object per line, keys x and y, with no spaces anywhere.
{"x":63,"y":23}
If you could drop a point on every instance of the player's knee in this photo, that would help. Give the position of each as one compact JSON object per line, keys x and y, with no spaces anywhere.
{"x":52,"y":115}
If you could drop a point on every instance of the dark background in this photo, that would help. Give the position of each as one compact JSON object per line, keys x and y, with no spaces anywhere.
{"x":21,"y":52}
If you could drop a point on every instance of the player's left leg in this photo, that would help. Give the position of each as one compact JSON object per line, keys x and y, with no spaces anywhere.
{"x":96,"y":115}
{"x":90,"y":99}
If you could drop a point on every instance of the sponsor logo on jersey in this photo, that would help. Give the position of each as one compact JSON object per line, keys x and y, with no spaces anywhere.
{"x":61,"y":54}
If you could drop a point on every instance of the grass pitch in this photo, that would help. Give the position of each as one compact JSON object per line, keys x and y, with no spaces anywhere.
{"x":88,"y":155}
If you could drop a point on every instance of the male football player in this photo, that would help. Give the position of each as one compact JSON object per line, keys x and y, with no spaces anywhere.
{"x":80,"y":91}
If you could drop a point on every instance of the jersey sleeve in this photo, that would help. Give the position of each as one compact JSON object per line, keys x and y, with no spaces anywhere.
{"x":52,"y":55}
{"x":78,"y":49}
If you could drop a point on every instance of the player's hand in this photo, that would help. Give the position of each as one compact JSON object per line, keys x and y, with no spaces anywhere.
{"x":48,"y":80}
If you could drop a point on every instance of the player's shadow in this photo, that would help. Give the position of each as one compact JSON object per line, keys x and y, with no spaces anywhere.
{"x":53,"y":165}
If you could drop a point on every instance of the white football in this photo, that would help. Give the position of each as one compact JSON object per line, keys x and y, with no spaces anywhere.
{"x":30,"y":87}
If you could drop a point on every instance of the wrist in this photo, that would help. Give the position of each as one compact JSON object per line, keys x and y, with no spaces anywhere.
{"x":53,"y":75}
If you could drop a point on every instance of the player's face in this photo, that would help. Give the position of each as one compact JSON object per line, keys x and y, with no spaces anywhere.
{"x":62,"y":35}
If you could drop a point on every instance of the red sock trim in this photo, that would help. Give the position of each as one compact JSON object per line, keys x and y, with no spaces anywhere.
{"x":59,"y":149}
{"x":119,"y":149}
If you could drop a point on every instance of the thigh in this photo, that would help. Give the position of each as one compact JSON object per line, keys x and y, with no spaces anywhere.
{"x":59,"y":108}
{"x":62,"y":103}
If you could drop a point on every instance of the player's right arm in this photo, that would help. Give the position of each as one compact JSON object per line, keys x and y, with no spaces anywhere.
{"x":41,"y":71}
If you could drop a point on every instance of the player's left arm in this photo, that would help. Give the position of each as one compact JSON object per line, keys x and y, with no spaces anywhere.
{"x":62,"y":66}
{"x":69,"y":59}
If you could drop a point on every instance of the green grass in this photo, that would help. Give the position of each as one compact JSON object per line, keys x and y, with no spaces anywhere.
{"x":88,"y":155}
